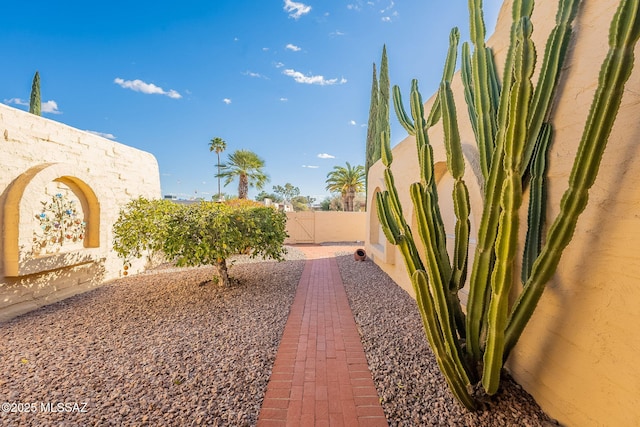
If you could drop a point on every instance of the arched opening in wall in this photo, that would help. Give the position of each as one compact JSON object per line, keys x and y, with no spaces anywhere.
{"x":51,"y":220}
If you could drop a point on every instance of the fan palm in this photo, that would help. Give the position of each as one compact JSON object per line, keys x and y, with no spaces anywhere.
{"x":247,"y":167}
{"x":347,"y":181}
{"x":218,"y":145}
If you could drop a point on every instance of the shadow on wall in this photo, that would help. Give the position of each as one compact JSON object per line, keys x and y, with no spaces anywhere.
{"x":27,"y":293}
{"x":50,"y":242}
{"x":39,"y":216}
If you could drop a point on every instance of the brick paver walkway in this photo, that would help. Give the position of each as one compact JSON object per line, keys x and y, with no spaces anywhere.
{"x":320,"y":376}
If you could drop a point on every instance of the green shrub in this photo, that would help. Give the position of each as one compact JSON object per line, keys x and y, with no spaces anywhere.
{"x":208,"y":233}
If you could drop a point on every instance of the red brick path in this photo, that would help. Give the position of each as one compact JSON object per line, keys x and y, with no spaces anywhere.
{"x":320,"y":376}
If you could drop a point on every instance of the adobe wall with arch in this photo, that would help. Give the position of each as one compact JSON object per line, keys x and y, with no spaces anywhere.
{"x":578,"y":355}
{"x":61,"y":190}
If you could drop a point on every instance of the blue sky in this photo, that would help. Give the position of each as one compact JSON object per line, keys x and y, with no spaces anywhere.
{"x":288,"y":80}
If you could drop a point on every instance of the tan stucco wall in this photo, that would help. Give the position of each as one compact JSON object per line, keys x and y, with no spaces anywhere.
{"x":40,"y":158}
{"x":325,"y":226}
{"x":578,"y":356}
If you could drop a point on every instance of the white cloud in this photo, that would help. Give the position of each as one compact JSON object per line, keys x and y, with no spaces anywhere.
{"x":147,"y":88}
{"x":352,"y":122}
{"x":17,"y":101}
{"x":388,"y":8}
{"x":312,"y":80}
{"x":252,"y":74}
{"x":326,"y":156}
{"x":227,"y":101}
{"x":50,"y":107}
{"x":284,"y":99}
{"x":310,"y":167}
{"x":102,"y":134}
{"x":279,"y":65}
{"x":292,"y":47}
{"x":390,"y":18}
{"x":336,"y":33}
{"x":265,"y":49}
{"x":295,"y":9}
{"x":45,"y":107}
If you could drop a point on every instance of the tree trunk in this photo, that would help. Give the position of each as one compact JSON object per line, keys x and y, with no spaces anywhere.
{"x":351,"y":195}
{"x":243,"y":187}
{"x":345,"y":203}
{"x":223,"y":273}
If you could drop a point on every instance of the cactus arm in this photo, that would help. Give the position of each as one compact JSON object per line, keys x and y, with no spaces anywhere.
{"x":494,"y":83}
{"x":422,"y":202}
{"x":554,"y":55}
{"x":462,"y":210}
{"x":510,"y":201}
{"x":385,"y":148}
{"x":387,"y":221}
{"x":452,"y":55}
{"x":455,"y":164}
{"x":457,"y":382}
{"x":447,"y":75}
{"x":555,"y":52}
{"x":392,"y":197}
{"x":484,"y":257}
{"x":537,"y":201}
{"x":465,"y":73}
{"x":417,"y":112}
{"x":426,"y":171}
{"x":455,"y":158}
{"x":481,"y":87}
{"x":614,"y":73}
{"x":487,"y":230}
{"x":403,"y":118}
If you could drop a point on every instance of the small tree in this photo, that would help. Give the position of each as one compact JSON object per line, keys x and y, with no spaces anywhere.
{"x":378,"y":123}
{"x":203,"y":234}
{"x":35,"y":104}
{"x":288,"y":192}
{"x":302,"y":203}
{"x":264,"y":195}
{"x":142,"y":227}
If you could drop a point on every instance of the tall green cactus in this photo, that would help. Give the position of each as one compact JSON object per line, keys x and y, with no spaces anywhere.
{"x":508,"y":121}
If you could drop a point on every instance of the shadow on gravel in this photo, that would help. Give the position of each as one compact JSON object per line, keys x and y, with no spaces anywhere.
{"x":411,"y":388}
{"x":152,"y":349}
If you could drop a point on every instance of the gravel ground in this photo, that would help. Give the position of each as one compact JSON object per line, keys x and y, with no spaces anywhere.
{"x":406,"y":374}
{"x":167,"y":348}
{"x":157,"y":349}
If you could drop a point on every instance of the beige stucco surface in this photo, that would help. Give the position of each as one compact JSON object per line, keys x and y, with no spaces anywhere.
{"x":578,"y":356}
{"x":325,"y":226}
{"x":40,"y":158}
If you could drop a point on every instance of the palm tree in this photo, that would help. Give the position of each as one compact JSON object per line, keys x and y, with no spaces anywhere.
{"x":247,"y":167}
{"x":347,"y":181}
{"x":218,"y":145}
